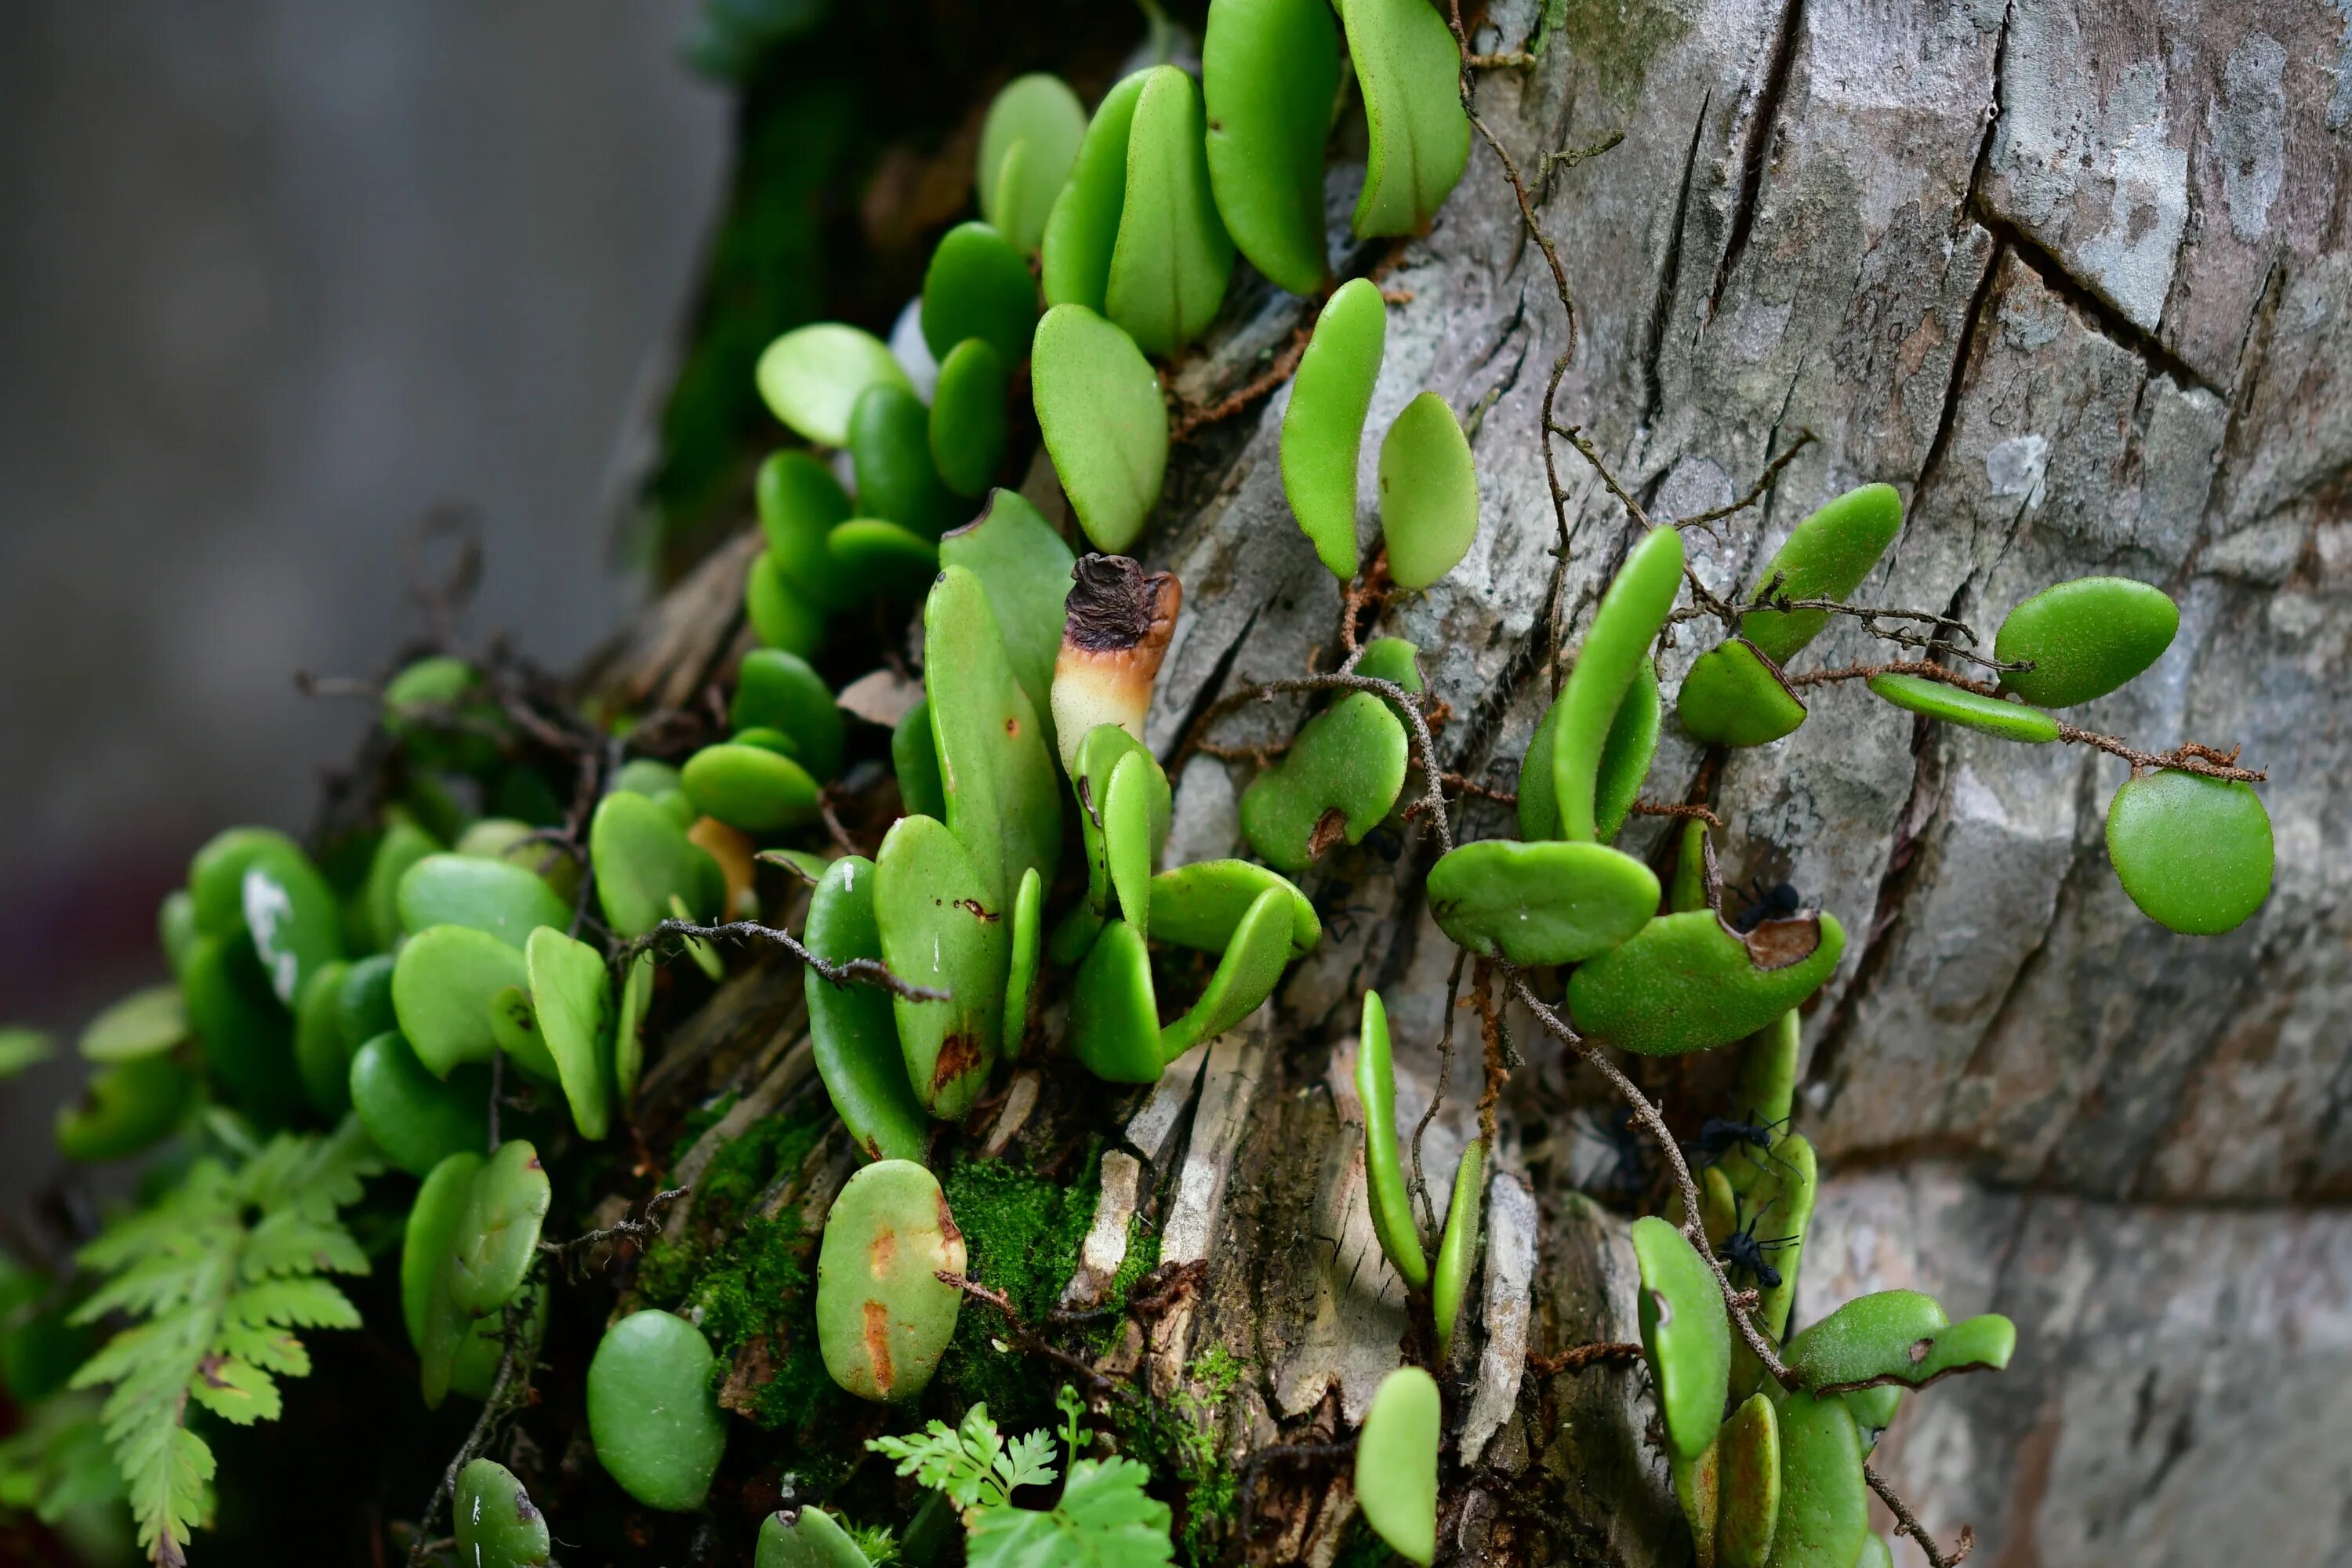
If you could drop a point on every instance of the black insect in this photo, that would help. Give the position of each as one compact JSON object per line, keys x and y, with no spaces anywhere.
{"x":1777,"y":903}
{"x":1744,"y":1249}
{"x":1719,"y":1135}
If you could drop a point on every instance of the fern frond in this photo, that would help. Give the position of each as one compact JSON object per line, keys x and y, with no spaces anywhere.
{"x":290,"y":1243}
{"x":218,"y":1271}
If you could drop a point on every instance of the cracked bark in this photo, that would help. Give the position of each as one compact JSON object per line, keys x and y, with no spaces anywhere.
{"x":2027,"y":1099}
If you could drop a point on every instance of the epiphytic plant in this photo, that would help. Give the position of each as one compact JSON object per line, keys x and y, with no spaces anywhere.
{"x":491,"y":943}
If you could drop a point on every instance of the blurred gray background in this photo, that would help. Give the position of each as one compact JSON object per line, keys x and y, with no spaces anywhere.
{"x":276,"y":279}
{"x":276,"y":276}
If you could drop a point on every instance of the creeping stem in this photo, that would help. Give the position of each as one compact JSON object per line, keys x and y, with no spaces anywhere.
{"x":850,"y":972}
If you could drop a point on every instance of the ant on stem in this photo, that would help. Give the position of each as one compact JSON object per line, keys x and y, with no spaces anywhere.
{"x":1744,"y":1249}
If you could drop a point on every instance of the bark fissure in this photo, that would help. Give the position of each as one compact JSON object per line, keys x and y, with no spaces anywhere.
{"x":1763,"y":122}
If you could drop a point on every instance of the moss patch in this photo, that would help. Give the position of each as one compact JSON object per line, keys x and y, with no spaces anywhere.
{"x":748,"y":1278}
{"x":1181,"y":1439}
{"x":1022,"y":1233}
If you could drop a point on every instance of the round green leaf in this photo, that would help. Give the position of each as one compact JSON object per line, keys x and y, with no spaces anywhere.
{"x":443,"y":984}
{"x":884,"y":1316}
{"x":497,"y":1525}
{"x":890,"y":449}
{"x":1201,"y":905}
{"x":800,"y":504}
{"x":1685,"y":1334}
{"x":1126,"y":808}
{"x":430,"y":1236}
{"x":2084,"y":639}
{"x":1245,"y":976}
{"x":628,"y":1037}
{"x":1104,"y":421}
{"x":645,"y":776}
{"x":1173,"y":258}
{"x":1270,"y":70}
{"x":1867,"y":1338}
{"x":296,"y":921}
{"x":1386,"y":1194}
{"x":1083,"y":227}
{"x":943,"y":929}
{"x":968,"y":426}
{"x":417,"y":1119}
{"x":1748,"y":1482}
{"x":143,"y":1024}
{"x":978,"y":286}
{"x":1826,"y":557}
{"x":1003,"y":794}
{"x":1323,"y":428}
{"x":1688,"y":981}
{"x":1824,"y":1503}
{"x":889,"y":561}
{"x":323,"y":1053}
{"x":780,"y":616}
{"x":1024,"y":567}
{"x":365,"y":1008}
{"x":247,"y":1036}
{"x":1457,"y":1247}
{"x":1396,"y":1463}
{"x":1429,"y":492}
{"x":808,"y":1538}
{"x":749,"y":787}
{"x":1027,"y":144}
{"x":175,"y":929}
{"x":1626,"y":752}
{"x":518,"y":843}
{"x":652,"y":1413}
{"x":1021,"y":973}
{"x":2194,"y":853}
{"x":491,"y":896}
{"x":1733,"y":696}
{"x":403,"y":845}
{"x":1633,"y":612}
{"x":1408,"y":70}
{"x":643,"y":859}
{"x":1546,"y":902}
{"x":217,"y":876}
{"x":811,"y":377}
{"x":851,"y":1032}
{"x":1338,"y":780}
{"x":128,"y":1107}
{"x":1970,"y":710}
{"x":573,"y":1001}
{"x":915,"y":759}
{"x":496,"y":1236}
{"x":1114,"y":1017}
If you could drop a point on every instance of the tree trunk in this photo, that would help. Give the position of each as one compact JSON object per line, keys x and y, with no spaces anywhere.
{"x":2077,"y":279}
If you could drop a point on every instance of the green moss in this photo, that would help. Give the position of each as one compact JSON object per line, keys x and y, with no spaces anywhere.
{"x":745,"y":1277}
{"x":1022,"y":1234}
{"x":1360,"y":1548}
{"x":1182,"y":1440}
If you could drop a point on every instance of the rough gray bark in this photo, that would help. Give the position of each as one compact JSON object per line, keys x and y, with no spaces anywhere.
{"x":2076,"y":279}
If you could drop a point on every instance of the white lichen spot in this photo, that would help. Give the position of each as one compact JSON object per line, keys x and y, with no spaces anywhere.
{"x":266,"y":905}
{"x":2016,"y":468}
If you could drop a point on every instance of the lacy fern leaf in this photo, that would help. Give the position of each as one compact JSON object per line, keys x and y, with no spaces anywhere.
{"x":972,"y":1463}
{"x":219,"y":1273}
{"x":1104,"y":1520}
